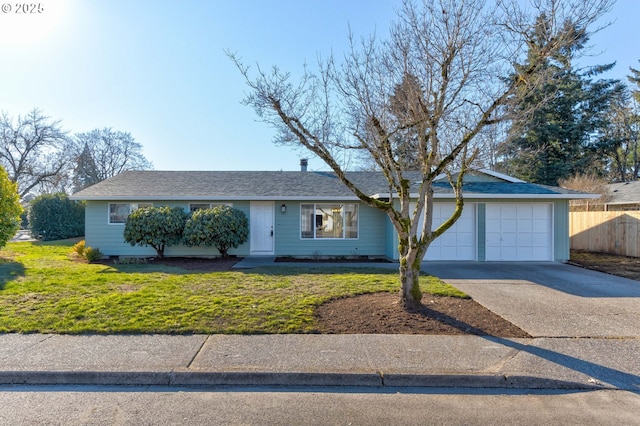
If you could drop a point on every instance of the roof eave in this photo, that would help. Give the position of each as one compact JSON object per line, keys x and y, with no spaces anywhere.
{"x":517,"y":196}
{"x":211,"y":198}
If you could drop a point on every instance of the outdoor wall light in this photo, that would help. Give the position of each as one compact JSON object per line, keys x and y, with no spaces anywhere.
{"x":283,"y":208}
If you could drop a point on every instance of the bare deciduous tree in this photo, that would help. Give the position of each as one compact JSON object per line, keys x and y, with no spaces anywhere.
{"x":33,"y":150}
{"x":591,"y":184}
{"x":445,"y":73}
{"x":104,"y":153}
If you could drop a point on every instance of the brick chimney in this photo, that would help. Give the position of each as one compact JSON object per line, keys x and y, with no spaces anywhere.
{"x":303,"y":164}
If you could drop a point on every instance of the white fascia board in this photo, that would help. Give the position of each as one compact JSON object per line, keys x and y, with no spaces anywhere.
{"x":501,"y":196}
{"x":517,"y":196}
{"x":213,"y":198}
{"x":501,"y":176}
{"x":486,"y":172}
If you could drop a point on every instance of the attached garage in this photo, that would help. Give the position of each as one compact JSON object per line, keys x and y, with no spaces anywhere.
{"x":459,"y":241}
{"x":504,"y":219}
{"x":519,"y":232}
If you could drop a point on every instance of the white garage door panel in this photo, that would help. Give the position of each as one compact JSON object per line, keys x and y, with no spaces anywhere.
{"x":459,"y":241}
{"x":519,"y":231}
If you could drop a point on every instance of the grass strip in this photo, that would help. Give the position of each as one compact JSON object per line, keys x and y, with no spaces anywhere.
{"x":44,"y":290}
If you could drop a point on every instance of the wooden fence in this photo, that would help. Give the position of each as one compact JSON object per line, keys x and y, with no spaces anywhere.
{"x":606,"y":232}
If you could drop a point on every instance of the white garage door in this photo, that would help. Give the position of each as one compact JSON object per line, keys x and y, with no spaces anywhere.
{"x":519,"y":231}
{"x":459,"y":241}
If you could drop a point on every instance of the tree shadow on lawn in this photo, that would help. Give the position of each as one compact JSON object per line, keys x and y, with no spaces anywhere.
{"x":318,"y":270}
{"x":195,"y":265}
{"x":9,"y":271}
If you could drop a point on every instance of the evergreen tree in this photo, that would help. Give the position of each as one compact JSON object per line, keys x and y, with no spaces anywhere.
{"x":86,"y":173}
{"x":635,"y":79}
{"x":555,"y":136}
{"x":620,"y":138}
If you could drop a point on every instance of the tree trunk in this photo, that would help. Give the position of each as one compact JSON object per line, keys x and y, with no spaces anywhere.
{"x":410,"y":294}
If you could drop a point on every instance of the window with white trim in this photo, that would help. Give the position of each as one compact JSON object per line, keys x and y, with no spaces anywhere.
{"x":119,"y":212}
{"x":321,"y":221}
{"x":200,"y":206}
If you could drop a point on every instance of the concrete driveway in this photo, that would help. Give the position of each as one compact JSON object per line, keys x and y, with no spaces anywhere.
{"x":549,"y":299}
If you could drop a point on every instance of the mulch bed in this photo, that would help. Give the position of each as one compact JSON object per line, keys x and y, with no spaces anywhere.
{"x":622,"y":266}
{"x":380,"y":313}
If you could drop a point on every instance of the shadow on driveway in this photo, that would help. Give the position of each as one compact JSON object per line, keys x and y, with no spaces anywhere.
{"x":558,"y":276}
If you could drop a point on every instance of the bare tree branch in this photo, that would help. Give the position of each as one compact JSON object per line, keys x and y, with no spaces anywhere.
{"x":33,"y":150}
{"x":418,"y":100}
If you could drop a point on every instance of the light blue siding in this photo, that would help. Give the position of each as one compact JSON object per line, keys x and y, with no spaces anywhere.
{"x":561,"y":230}
{"x":109,"y":239}
{"x":370,"y":241}
{"x":390,"y":239}
{"x":481,"y":226}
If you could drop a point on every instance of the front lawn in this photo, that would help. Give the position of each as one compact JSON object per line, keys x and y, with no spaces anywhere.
{"x":43,"y":289}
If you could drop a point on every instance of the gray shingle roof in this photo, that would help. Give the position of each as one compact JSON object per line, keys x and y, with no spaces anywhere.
{"x":624,"y":193}
{"x":236,"y":185}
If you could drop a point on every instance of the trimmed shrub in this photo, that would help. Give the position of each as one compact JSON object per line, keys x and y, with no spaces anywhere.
{"x":10,"y":208}
{"x":79,"y":248}
{"x":222,"y":227}
{"x":92,"y":254}
{"x":56,"y":217}
{"x":157,"y":227}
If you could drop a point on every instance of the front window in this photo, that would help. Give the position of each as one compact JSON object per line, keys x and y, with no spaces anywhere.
{"x":329,"y":221}
{"x":200,"y":206}
{"x":119,"y":212}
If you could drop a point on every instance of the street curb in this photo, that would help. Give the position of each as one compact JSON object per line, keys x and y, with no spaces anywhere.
{"x":300,"y":379}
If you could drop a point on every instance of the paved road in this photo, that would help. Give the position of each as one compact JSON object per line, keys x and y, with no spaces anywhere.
{"x":313,"y":406}
{"x":550,"y":299}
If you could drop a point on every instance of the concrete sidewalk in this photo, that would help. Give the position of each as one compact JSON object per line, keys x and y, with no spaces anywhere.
{"x":321,"y":360}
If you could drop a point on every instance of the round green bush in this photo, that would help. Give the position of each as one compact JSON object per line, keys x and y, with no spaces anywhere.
{"x":222,"y":227}
{"x":157,"y":227}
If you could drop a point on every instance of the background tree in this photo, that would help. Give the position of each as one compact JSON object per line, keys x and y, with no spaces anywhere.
{"x":554,"y":134}
{"x":55,"y":217}
{"x":620,"y":138}
{"x":104,"y":153}
{"x":157,"y":227}
{"x":442,"y":76}
{"x":222,"y":227}
{"x":33,"y":150}
{"x":10,"y":208}
{"x":591,"y":184}
{"x":634,"y":79}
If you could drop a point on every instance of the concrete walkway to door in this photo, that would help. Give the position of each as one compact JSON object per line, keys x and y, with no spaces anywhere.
{"x":549,"y":299}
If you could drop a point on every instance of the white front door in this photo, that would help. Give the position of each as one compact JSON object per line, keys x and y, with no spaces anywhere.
{"x":261,"y":226}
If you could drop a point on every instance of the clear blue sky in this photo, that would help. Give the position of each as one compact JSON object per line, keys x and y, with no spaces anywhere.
{"x":158,"y":70}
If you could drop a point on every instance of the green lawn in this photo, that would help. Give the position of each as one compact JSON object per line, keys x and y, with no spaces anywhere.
{"x":42,"y":289}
